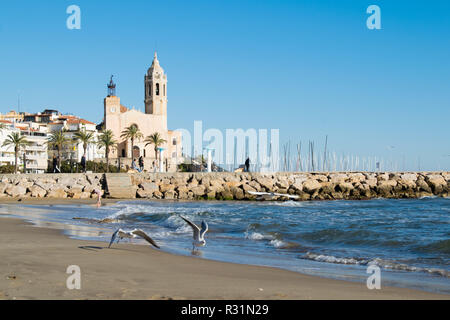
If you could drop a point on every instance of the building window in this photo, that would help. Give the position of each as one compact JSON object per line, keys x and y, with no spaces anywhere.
{"x":174,"y":142}
{"x":157,"y":89}
{"x":123,"y":153}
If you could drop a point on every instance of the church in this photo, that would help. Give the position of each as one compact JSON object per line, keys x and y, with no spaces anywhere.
{"x":117,"y":118}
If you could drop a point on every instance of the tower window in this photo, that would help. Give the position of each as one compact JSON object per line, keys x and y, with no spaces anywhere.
{"x":157,"y":89}
{"x":164,"y":90}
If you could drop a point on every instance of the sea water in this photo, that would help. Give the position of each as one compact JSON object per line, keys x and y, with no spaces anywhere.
{"x":408,"y":239}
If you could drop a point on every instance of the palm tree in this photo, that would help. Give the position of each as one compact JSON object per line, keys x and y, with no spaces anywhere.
{"x":156,"y":140}
{"x":86,"y":138}
{"x":133,"y":133}
{"x":58,"y":139}
{"x":18,"y":141}
{"x":106,"y":140}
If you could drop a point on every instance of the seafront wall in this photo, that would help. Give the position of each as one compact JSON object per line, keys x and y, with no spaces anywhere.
{"x":232,"y":186}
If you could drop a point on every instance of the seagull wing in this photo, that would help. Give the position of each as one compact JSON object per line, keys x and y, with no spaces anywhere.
{"x":204,"y":229}
{"x":113,"y":238}
{"x":259,"y":193}
{"x":144,"y":236}
{"x":286,"y":195}
{"x":194,"y":228}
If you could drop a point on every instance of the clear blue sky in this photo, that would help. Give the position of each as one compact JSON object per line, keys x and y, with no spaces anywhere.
{"x":309,"y":68}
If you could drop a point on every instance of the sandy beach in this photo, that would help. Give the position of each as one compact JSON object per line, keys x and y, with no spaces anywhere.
{"x":33,"y":264}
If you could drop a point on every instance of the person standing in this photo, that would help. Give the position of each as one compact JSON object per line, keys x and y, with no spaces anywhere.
{"x":141,"y":163}
{"x":83,"y":163}
{"x":247,"y":165}
{"x":55,"y":164}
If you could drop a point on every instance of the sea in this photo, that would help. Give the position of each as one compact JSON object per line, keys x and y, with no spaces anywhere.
{"x":408,"y":239}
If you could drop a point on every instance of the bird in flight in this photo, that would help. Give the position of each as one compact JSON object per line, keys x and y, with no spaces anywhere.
{"x":121,"y":234}
{"x":273,"y":195}
{"x":198,"y":233}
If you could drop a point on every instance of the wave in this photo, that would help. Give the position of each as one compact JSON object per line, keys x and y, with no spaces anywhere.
{"x":442,"y":246}
{"x":384,"y":264}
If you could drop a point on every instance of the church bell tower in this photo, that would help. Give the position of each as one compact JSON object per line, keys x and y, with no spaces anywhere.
{"x":156,"y":89}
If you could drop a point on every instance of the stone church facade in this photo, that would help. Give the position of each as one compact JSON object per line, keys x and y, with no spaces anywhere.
{"x":117,"y":118}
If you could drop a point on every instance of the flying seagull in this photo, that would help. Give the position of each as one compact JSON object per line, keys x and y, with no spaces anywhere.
{"x":272,"y":194}
{"x":198,"y":234}
{"x":121,"y":234}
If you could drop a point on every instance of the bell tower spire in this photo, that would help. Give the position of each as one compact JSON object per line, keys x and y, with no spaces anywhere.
{"x":156,"y":89}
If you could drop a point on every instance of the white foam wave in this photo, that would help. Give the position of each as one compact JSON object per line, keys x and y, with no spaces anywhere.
{"x":385,"y":264}
{"x":278,"y":243}
{"x":259,"y":236}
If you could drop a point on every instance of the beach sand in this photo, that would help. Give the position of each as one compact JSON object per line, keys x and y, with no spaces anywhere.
{"x":33,"y":264}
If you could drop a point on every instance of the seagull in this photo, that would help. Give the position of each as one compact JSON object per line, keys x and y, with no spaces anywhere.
{"x":199,"y":234}
{"x":272,"y":194}
{"x":121,"y":234}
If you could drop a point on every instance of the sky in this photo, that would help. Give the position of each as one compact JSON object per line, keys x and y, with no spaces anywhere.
{"x":309,"y":68}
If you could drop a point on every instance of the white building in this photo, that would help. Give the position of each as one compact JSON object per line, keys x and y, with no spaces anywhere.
{"x":74,"y":150}
{"x":34,"y":154}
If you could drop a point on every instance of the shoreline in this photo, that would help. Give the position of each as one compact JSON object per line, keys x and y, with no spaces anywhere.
{"x":33,"y":263}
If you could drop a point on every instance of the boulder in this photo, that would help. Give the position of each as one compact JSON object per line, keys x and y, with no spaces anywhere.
{"x":57,"y":193}
{"x":238,"y":193}
{"x":385,"y":188}
{"x":356,"y":177}
{"x":437,"y":183}
{"x":149,"y":186}
{"x":157,"y":195}
{"x":37,"y":191}
{"x":338,"y":177}
{"x":247,"y":188}
{"x":166,"y":187}
{"x":422,"y":186}
{"x":170,"y":195}
{"x":143,"y":194}
{"x":345,"y":187}
{"x":310,"y":186}
{"x":16,"y":191}
{"x":266,"y":183}
{"x":198,"y":191}
{"x":3,"y":186}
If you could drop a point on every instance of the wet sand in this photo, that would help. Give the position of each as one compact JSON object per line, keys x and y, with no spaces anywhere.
{"x":33,"y":264}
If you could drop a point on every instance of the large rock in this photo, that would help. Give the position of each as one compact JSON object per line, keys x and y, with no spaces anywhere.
{"x":266,"y":183}
{"x":149,"y":186}
{"x":16,"y":191}
{"x":238,"y":193}
{"x":356,"y":177}
{"x":57,"y":193}
{"x":143,"y":194}
{"x":166,"y":187}
{"x":437,"y":183}
{"x":338,"y":177}
{"x":170,"y":195}
{"x":198,"y":191}
{"x":345,"y":187}
{"x":422,"y":186}
{"x":3,"y":186}
{"x":37,"y":191}
{"x":310,"y":186}
{"x":385,"y":188}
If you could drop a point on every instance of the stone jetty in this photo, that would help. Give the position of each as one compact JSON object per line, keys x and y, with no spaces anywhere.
{"x":230,"y":186}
